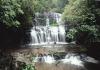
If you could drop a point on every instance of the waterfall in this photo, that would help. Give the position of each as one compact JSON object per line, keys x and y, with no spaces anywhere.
{"x":73,"y":59}
{"x":46,"y":58}
{"x":48,"y":34}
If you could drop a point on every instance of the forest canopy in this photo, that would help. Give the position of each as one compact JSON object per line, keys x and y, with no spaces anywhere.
{"x":21,"y":12}
{"x":11,"y":10}
{"x":80,"y":15}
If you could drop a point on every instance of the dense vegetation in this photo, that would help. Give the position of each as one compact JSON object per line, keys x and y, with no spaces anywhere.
{"x":15,"y":18}
{"x":18,"y":16}
{"x":20,"y":12}
{"x":50,"y":5}
{"x":15,"y":12}
{"x":80,"y":15}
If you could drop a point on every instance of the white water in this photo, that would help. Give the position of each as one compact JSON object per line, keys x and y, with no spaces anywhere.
{"x":48,"y":34}
{"x":72,"y":59}
{"x":47,"y":59}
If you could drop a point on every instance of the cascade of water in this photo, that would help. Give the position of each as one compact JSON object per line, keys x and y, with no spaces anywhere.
{"x":47,"y":22}
{"x":45,"y":58}
{"x":48,"y":59}
{"x":72,"y":59}
{"x":47,"y":30}
{"x":48,"y":34}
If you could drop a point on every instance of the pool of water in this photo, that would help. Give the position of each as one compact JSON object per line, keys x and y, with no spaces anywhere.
{"x":71,"y":61}
{"x":60,"y":66}
{"x":62,"y":57}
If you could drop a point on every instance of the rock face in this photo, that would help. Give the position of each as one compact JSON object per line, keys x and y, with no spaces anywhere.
{"x":14,"y":60}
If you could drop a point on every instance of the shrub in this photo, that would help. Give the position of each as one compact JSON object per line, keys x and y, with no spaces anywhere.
{"x":28,"y":67}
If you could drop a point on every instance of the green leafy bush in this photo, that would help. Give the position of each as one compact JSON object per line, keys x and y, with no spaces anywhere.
{"x":11,"y":11}
{"x":81,"y":16}
{"x":92,"y":32}
{"x":86,"y":33}
{"x":8,"y":12}
{"x":79,"y":11}
{"x":28,"y":67}
{"x":71,"y":34}
{"x":88,"y":28}
{"x":53,"y":22}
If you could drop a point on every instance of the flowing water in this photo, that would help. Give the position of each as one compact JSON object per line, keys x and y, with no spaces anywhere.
{"x":48,"y":34}
{"x":71,"y":61}
{"x":44,"y":35}
{"x":54,"y":37}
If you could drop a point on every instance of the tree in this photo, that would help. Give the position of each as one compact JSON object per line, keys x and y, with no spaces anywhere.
{"x":80,"y":15}
{"x":10,"y":10}
{"x":79,"y":11}
{"x":58,"y":5}
{"x":50,"y":5}
{"x":28,"y":7}
{"x":15,"y":19}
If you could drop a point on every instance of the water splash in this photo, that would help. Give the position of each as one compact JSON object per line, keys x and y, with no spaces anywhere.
{"x":72,"y":59}
{"x":46,"y":58}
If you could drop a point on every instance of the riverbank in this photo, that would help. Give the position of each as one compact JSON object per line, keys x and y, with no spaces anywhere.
{"x":14,"y":59}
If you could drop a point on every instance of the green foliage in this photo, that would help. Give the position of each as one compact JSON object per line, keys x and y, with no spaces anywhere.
{"x":42,"y":5}
{"x":71,"y":34}
{"x":8,"y":12}
{"x":28,"y":7}
{"x":53,"y":23}
{"x":50,"y":5}
{"x":79,"y":11}
{"x":81,"y":15}
{"x":58,"y":5}
{"x":28,"y":67}
{"x":92,"y":32}
{"x":88,"y":28}
{"x":20,"y":12}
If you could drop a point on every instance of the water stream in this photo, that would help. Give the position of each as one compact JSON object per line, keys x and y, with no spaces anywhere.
{"x":51,"y":36}
{"x":48,"y":34}
{"x":71,"y":61}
